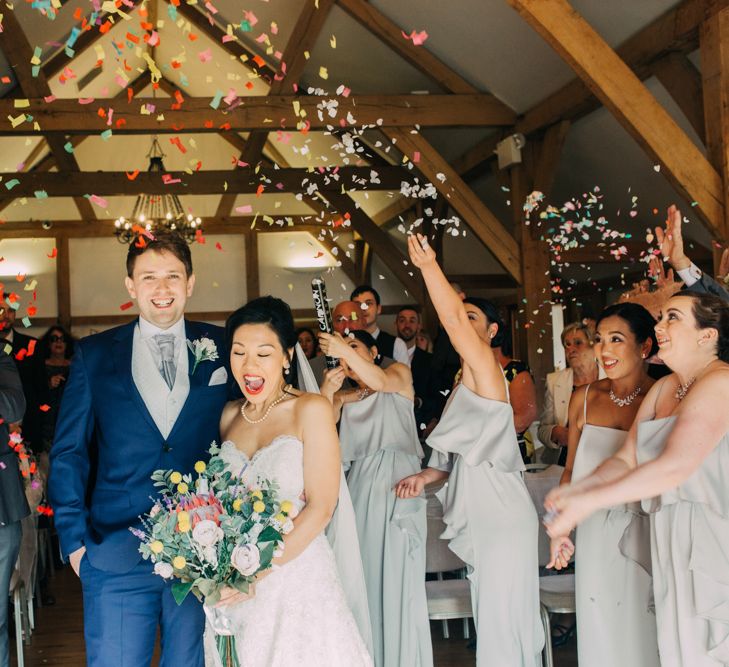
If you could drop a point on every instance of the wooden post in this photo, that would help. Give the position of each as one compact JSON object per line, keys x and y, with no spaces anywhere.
{"x":714,"y":42}
{"x":253,"y":278}
{"x":63,"y":281}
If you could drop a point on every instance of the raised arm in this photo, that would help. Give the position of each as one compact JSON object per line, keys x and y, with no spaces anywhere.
{"x":476,"y":353}
{"x":69,"y":471}
{"x":322,"y":470}
{"x":395,"y":379}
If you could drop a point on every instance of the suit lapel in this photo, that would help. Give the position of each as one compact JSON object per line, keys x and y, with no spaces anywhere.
{"x":123,"y":348}
{"x":196,"y":378}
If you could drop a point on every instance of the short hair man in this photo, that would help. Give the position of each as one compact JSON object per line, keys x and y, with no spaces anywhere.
{"x":387,"y":344}
{"x":135,"y":393}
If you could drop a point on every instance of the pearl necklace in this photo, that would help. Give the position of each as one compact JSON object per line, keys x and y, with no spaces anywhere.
{"x":683,"y":389}
{"x":268,"y":411}
{"x":626,"y":400}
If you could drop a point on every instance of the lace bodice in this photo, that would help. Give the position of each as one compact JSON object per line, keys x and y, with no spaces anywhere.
{"x":281,"y":461}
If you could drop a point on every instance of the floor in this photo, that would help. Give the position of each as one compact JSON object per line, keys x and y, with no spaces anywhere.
{"x":58,"y":637}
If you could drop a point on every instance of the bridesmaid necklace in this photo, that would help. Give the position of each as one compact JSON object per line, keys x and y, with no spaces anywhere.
{"x":268,"y":411}
{"x":625,"y":400}
{"x":683,"y":389}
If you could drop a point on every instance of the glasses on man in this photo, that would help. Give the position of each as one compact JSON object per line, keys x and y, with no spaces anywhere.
{"x":55,"y":338}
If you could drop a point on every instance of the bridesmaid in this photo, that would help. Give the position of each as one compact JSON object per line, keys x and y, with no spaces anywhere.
{"x":490,"y":519}
{"x":676,"y":459}
{"x":613,"y":590}
{"x":379,"y":441}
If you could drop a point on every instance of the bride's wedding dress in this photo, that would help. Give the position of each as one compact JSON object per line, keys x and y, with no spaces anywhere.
{"x":299,"y":614}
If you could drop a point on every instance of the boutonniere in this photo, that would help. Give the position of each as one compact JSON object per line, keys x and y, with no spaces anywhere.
{"x":203,"y":349}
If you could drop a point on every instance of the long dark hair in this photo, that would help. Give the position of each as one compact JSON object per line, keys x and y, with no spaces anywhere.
{"x":44,"y":343}
{"x":639,"y":321}
{"x":367,"y":339}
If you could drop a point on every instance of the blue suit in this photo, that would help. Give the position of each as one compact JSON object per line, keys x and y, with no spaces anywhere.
{"x":103,"y":417}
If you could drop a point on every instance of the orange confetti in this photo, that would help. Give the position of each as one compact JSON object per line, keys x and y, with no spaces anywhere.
{"x":218,"y":246}
{"x":260,"y":62}
{"x":20,"y":277}
{"x":131,"y":176}
{"x":259,"y":190}
{"x":44,"y":408}
{"x":32,"y":310}
{"x":126,"y":306}
{"x":54,"y":253}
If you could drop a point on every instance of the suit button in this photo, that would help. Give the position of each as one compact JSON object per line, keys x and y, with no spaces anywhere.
{"x":166,"y":448}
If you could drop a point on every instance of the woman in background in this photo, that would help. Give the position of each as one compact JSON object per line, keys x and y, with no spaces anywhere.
{"x":612,"y":577}
{"x":379,"y":441}
{"x":308,"y":342}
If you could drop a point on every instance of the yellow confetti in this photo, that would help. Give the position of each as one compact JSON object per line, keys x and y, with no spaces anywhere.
{"x":21,"y":104}
{"x":323,"y":73}
{"x":333,"y":42}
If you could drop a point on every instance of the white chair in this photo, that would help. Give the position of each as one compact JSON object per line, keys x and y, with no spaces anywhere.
{"x":447,"y":598}
{"x":22,"y":586}
{"x":556,"y":592}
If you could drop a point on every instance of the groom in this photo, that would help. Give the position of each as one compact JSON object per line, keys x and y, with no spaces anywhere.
{"x":134,"y":402}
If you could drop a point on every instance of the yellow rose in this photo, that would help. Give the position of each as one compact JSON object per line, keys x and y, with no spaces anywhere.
{"x":286,"y":506}
{"x":259,"y":507}
{"x":156,"y":547}
{"x":175,"y":477}
{"x":182,"y":488}
{"x":183,"y":522}
{"x":200,"y":467}
{"x":237,"y":504}
{"x":281,"y":518}
{"x":257,"y":494}
{"x":178,"y":562}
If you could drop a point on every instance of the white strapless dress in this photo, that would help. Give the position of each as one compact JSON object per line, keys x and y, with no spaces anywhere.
{"x":299,"y":615}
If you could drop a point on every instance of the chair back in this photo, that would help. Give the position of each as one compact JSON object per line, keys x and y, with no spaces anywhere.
{"x":28,"y":554}
{"x":540,"y":479}
{"x":438,"y":556}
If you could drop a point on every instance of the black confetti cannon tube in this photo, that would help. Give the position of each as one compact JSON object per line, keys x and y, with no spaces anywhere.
{"x":323,"y":314}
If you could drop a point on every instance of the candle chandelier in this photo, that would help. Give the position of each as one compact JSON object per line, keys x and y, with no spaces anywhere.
{"x":156,"y":212}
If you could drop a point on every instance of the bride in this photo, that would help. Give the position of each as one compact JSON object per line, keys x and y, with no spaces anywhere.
{"x":296,"y":613}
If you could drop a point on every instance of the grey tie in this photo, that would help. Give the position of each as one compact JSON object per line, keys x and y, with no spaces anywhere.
{"x":166,"y":345}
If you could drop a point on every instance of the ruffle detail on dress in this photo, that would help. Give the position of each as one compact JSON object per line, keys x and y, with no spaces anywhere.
{"x":408,"y":515}
{"x":709,"y":567}
{"x":635,"y":544}
{"x":455,"y":519}
{"x":487,"y":436}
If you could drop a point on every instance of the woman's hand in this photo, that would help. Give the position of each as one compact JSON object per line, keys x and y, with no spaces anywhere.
{"x":670,"y":240}
{"x":560,"y":435}
{"x":410,"y":487}
{"x":568,"y":511}
{"x":55,"y":381}
{"x":561,"y":550}
{"x":421,"y":254}
{"x":333,"y":345}
{"x":333,"y":380}
{"x":232,"y":596}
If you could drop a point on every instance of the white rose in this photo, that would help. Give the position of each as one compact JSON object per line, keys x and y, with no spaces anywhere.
{"x":207,"y":533}
{"x":294,"y":511}
{"x":287,"y":527}
{"x":210,"y":554}
{"x":278,"y":552}
{"x":246,"y":559}
{"x":163,"y":570}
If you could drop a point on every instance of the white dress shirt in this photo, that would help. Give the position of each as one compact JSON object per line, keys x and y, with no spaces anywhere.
{"x":691,"y":275}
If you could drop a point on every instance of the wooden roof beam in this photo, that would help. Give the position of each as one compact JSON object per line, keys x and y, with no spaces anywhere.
{"x":243,"y":181}
{"x":622,"y":92}
{"x":474,"y":212}
{"x":256,"y":113}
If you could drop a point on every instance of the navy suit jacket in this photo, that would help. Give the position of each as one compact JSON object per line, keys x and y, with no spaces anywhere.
{"x":102,"y":409}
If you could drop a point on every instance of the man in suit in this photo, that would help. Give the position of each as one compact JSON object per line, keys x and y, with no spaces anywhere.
{"x":387,"y":344}
{"x":22,"y":348}
{"x":428,"y":405}
{"x":13,"y":505}
{"x":135,"y":393}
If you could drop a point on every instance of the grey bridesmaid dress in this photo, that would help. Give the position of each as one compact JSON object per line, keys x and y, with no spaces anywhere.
{"x":492,"y":525}
{"x":690,"y":555}
{"x":379,"y":441}
{"x":616,"y":624}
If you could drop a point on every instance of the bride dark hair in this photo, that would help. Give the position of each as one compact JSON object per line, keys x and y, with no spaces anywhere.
{"x":264,"y":310}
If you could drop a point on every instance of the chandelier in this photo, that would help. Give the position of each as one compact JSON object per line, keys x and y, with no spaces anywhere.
{"x":155,"y":212}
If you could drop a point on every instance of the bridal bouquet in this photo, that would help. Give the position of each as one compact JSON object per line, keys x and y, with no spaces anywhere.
{"x":212,"y":533}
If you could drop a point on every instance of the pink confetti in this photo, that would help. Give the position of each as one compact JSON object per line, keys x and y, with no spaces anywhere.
{"x":244,"y":209}
{"x":49,"y":99}
{"x":205,"y":56}
{"x":417,"y":37}
{"x":99,"y":201}
{"x":85,"y":100}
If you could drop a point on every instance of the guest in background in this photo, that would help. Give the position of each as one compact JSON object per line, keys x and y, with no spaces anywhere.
{"x":379,"y":441}
{"x":387,"y":344}
{"x":423,"y":341}
{"x":308,"y":342}
{"x":13,"y":504}
{"x":522,"y":392}
{"x":55,"y":350}
{"x":582,"y":368}
{"x":23,"y":351}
